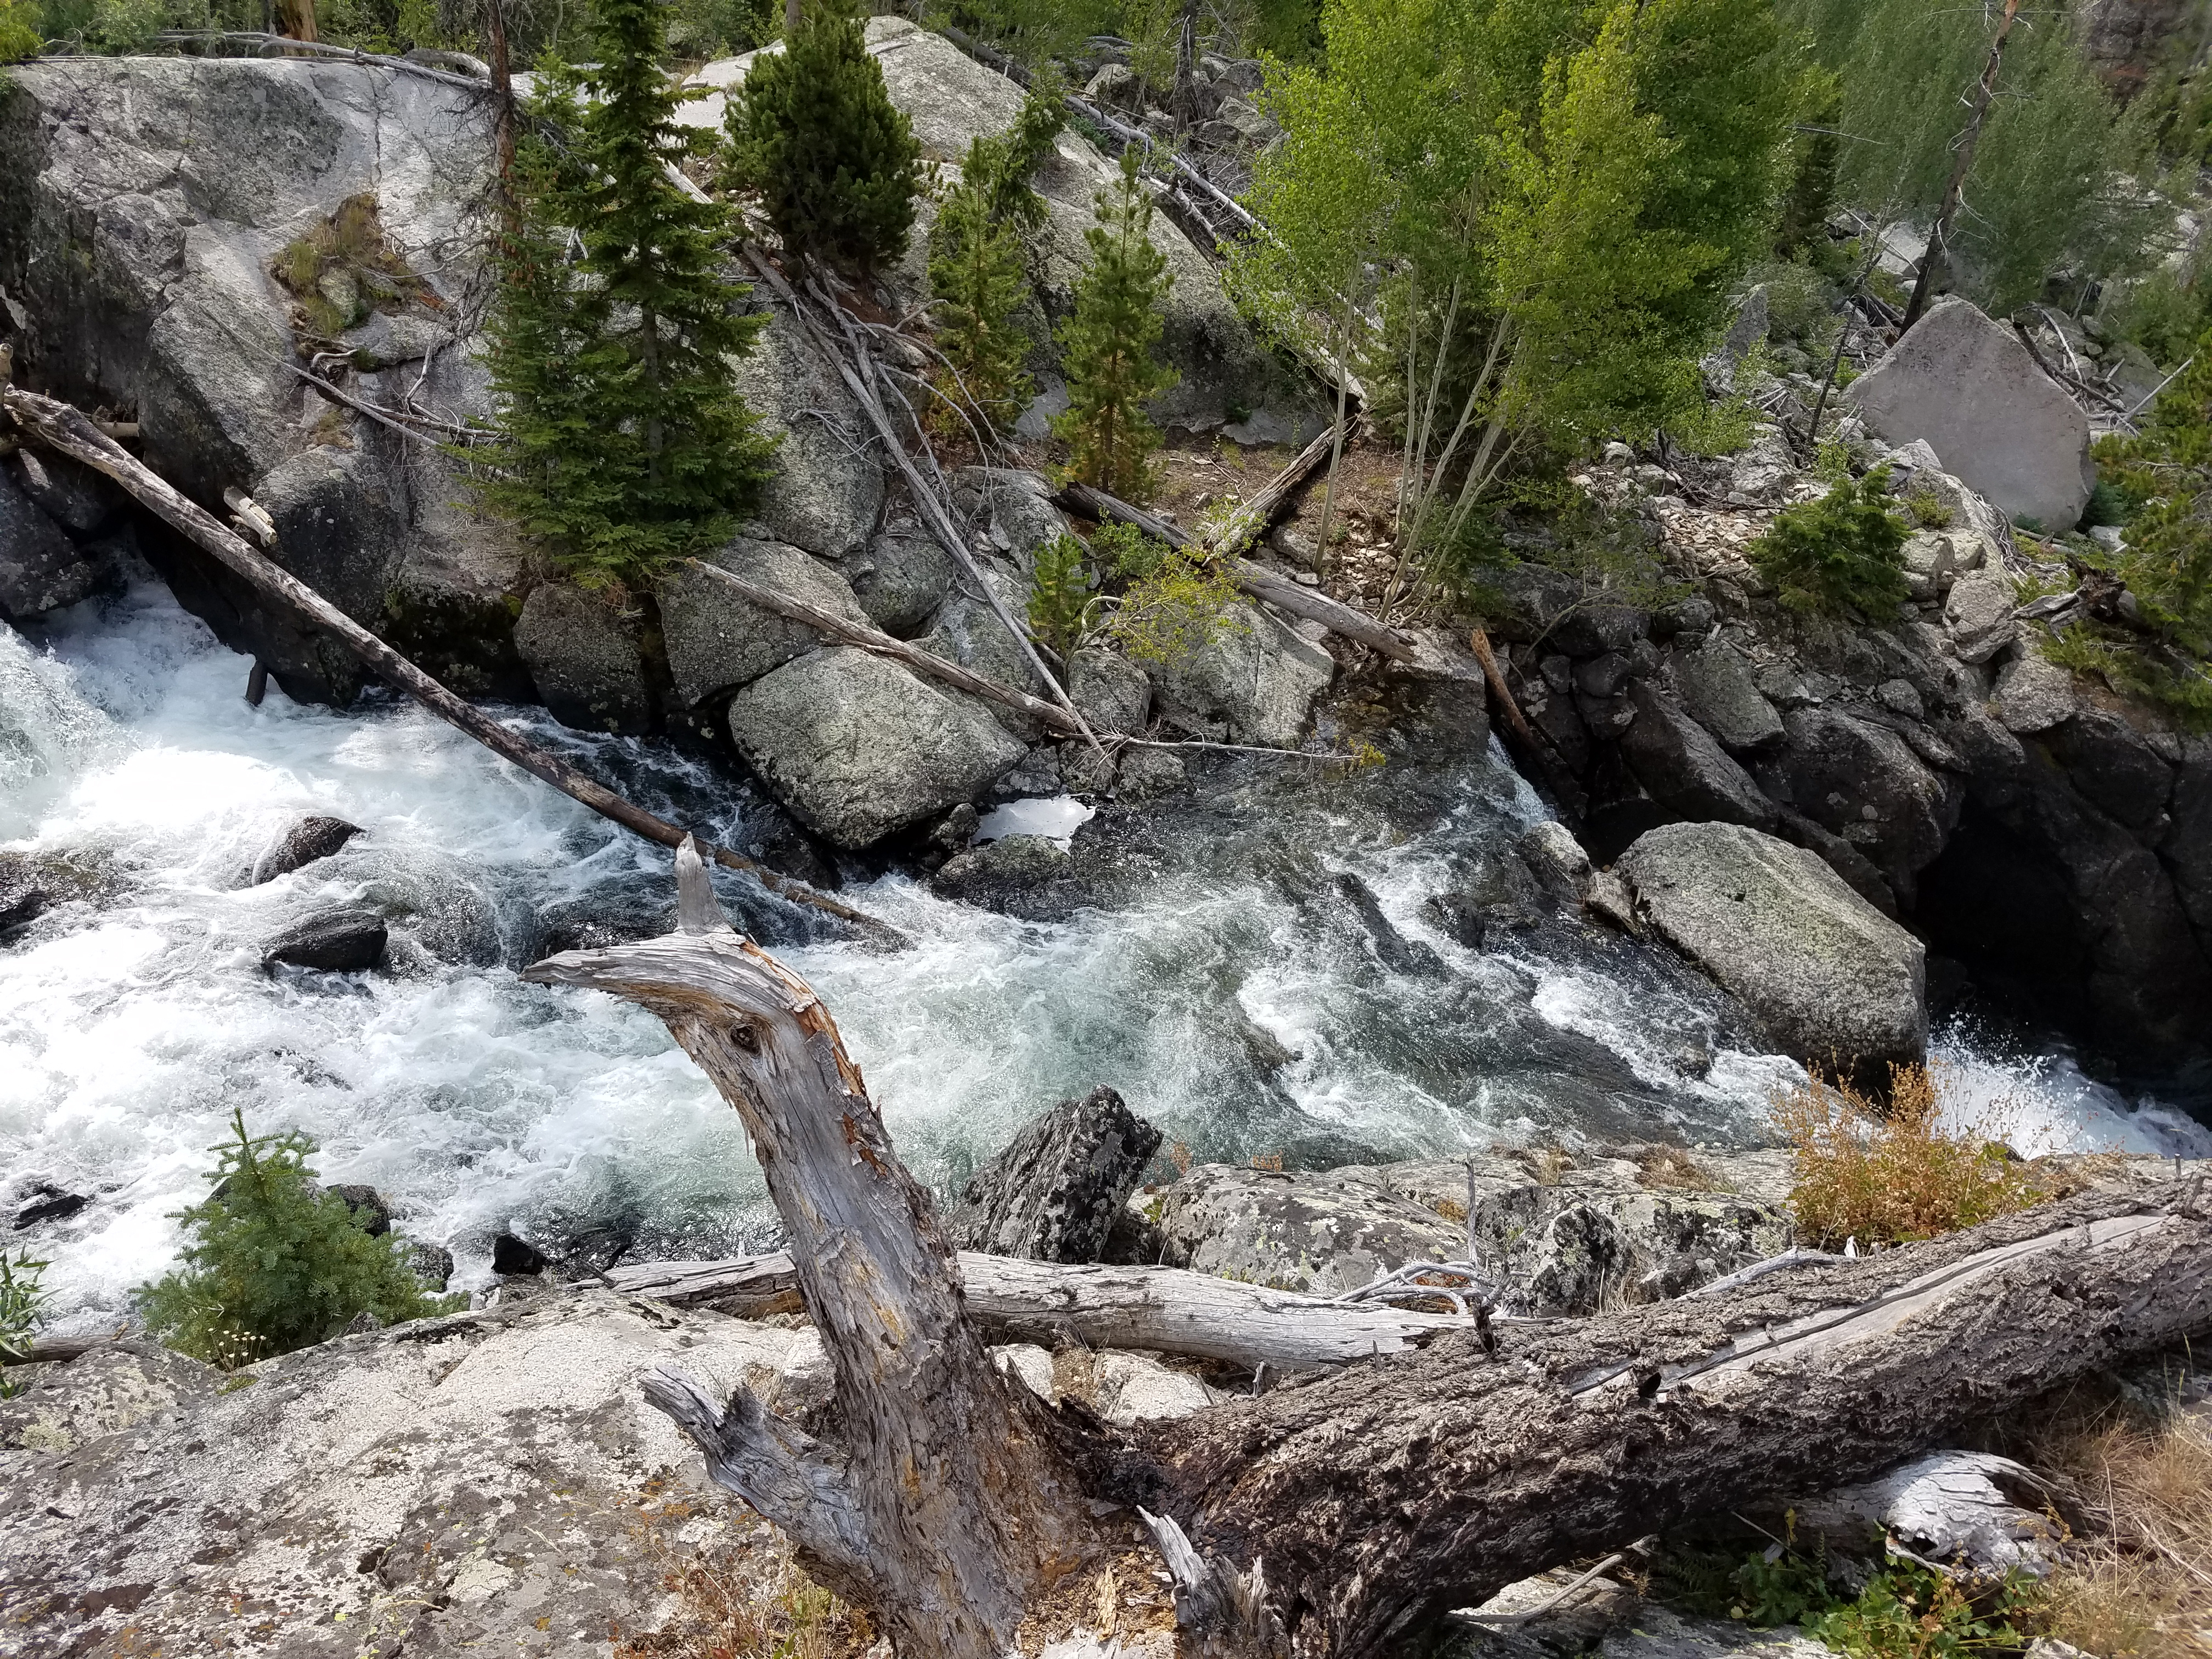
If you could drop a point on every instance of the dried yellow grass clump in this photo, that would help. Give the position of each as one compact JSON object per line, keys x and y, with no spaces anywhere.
{"x":1889,"y":1174}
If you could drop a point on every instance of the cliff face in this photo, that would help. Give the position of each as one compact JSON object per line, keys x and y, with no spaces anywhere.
{"x":2129,"y":40}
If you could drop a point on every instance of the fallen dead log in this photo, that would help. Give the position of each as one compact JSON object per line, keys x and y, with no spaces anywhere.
{"x":70,"y":431}
{"x":1164,"y":1310}
{"x":1256,"y":580}
{"x":1347,"y":1516}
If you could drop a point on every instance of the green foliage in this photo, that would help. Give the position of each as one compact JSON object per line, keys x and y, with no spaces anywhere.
{"x":1125,"y":554}
{"x":1927,"y":509}
{"x":1803,"y":231}
{"x":1185,"y":604}
{"x":2167,"y":561}
{"x":273,"y":1265}
{"x":1106,"y":345}
{"x":1841,"y":552}
{"x":1905,"y":1611}
{"x":1611,"y":558}
{"x":2163,"y":313}
{"x":22,"y":1303}
{"x":20,"y":34}
{"x":622,"y":442}
{"x":1032,"y":31}
{"x":2053,"y":185}
{"x":1064,"y":598}
{"x":343,"y":268}
{"x":1000,"y":165}
{"x":814,"y":130}
{"x":1153,"y":29}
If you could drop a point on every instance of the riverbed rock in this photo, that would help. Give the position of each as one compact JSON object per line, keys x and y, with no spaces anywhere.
{"x":105,"y":1390}
{"x":1573,"y":1250}
{"x":86,"y":504}
{"x":584,"y":658}
{"x":1053,"y":1194}
{"x":824,"y":491}
{"x":1256,"y":680}
{"x":40,"y":568}
{"x":493,"y":1482}
{"x":1718,"y":689}
{"x":1326,"y":1232}
{"x":1965,"y":383}
{"x":342,"y":941}
{"x":1028,"y":876}
{"x":304,"y":841}
{"x":857,"y":746}
{"x":1111,"y":692}
{"x":718,"y":640}
{"x":1682,"y":766}
{"x":1832,"y":980}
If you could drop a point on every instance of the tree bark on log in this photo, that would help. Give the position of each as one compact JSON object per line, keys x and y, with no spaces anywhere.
{"x":1343,"y":1517}
{"x":71,"y":431}
{"x":950,"y":1504}
{"x":1164,"y":1310}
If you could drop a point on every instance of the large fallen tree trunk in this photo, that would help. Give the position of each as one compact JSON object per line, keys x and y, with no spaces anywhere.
{"x":1165,"y":1310}
{"x":1345,"y":1516}
{"x":72,"y":433}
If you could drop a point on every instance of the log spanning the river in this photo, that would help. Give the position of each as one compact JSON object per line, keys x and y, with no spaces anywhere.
{"x":1164,"y":1310}
{"x":1345,"y":1516}
{"x":71,"y":431}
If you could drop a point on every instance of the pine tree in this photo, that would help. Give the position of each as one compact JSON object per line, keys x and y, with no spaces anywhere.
{"x":976,"y":272}
{"x":1107,"y":345}
{"x":814,"y":130}
{"x":624,"y":443}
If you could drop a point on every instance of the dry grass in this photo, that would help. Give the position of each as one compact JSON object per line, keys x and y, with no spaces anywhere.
{"x":2140,"y":1586}
{"x":1671,"y":1168}
{"x":1887,"y":1175}
{"x":738,"y":1592}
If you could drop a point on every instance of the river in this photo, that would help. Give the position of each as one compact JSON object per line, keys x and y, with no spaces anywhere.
{"x":1272,"y":973}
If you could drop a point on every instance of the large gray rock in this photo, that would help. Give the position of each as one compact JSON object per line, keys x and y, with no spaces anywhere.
{"x":1111,"y":692}
{"x":1865,"y":783}
{"x":717,"y":639}
{"x":1965,"y":384}
{"x":83,"y":502}
{"x":1831,"y":978}
{"x":1327,"y":1233}
{"x":1715,"y":685}
{"x":491,"y":1483}
{"x":967,"y":630}
{"x":584,"y":660}
{"x":1053,"y":1194}
{"x":143,"y":201}
{"x":1979,"y":613}
{"x":40,"y":568}
{"x":857,"y":746}
{"x":1255,"y":677}
{"x":900,"y":578}
{"x":825,"y":491}
{"x":1013,"y":508}
{"x":1682,"y":767}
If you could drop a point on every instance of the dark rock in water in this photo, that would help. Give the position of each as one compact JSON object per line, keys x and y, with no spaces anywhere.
{"x":1014,"y":874}
{"x":433,"y":1264}
{"x":1395,"y":951}
{"x":23,"y":896}
{"x":1054,"y":1193}
{"x":51,"y":1204}
{"x":348,"y":941}
{"x":509,"y":1255}
{"x":370,"y":1207}
{"x":40,"y":569}
{"x":310,"y":838}
{"x":81,"y":501}
{"x":584,"y":660}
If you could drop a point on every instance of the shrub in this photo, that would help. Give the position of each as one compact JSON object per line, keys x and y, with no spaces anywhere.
{"x":22,"y":1305}
{"x":1063,"y":595}
{"x":1107,"y":344}
{"x":1184,"y":606}
{"x":1887,"y":1175}
{"x":1842,"y":552}
{"x":815,"y":133}
{"x":1126,"y":553}
{"x":274,"y":1264}
{"x":19,"y":31}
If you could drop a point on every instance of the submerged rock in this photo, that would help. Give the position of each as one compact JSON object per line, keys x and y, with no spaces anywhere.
{"x":40,"y":568}
{"x":1831,"y":979}
{"x":342,"y":941}
{"x":307,"y":839}
{"x":1053,"y":1193}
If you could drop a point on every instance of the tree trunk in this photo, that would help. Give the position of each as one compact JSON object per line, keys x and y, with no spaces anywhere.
{"x":1342,"y":1518}
{"x":295,"y":19}
{"x":502,"y":116}
{"x":70,"y":432}
{"x":950,"y":1506}
{"x":1939,"y":233}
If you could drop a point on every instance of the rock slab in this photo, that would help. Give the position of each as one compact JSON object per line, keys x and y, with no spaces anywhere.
{"x":1053,"y":1194}
{"x":1831,"y":979}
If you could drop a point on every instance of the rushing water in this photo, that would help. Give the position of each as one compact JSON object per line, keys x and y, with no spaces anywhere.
{"x":1270,"y":969}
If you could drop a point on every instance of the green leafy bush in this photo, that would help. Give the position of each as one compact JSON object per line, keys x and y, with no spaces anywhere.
{"x":1107,"y":345}
{"x":1185,"y":604}
{"x":22,"y":1303}
{"x":977,"y":277}
{"x":1064,"y":597}
{"x":814,"y":130}
{"x":1842,"y":552}
{"x":19,"y":37}
{"x":1126,"y":553}
{"x":275,"y":1265}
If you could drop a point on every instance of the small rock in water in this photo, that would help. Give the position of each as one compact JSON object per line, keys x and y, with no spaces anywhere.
{"x":433,"y":1264}
{"x":22,"y":895}
{"x":370,"y":1207}
{"x":347,"y":941}
{"x":51,"y":1204}
{"x":311,"y":838}
{"x":509,"y":1255}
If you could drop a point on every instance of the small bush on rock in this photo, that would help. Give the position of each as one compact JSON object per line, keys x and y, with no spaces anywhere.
{"x":1890,"y":1174}
{"x":1108,"y":343}
{"x":1184,"y":606}
{"x":1064,"y":597}
{"x":814,"y":130}
{"x":1845,"y":551}
{"x":274,"y":1264}
{"x":23,"y":1304}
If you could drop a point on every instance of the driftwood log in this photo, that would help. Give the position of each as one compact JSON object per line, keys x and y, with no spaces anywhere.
{"x":1345,"y":1516}
{"x":71,"y":432}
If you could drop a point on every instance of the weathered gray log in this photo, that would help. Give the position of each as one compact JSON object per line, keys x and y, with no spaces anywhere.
{"x":1384,"y":1496}
{"x":73,"y":433}
{"x":950,"y":1504}
{"x":1165,"y":1310}
{"x":1052,"y":1194}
